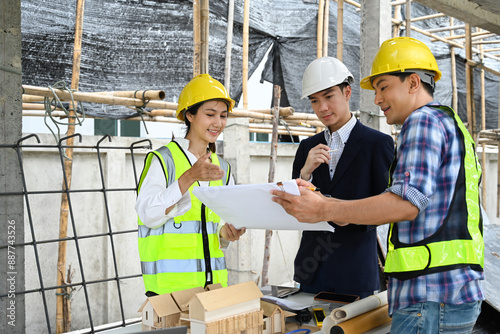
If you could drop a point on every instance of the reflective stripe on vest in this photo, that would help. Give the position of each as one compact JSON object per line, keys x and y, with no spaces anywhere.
{"x":179,"y":266}
{"x":459,"y":241}
{"x":178,"y":254}
{"x":187,"y":227}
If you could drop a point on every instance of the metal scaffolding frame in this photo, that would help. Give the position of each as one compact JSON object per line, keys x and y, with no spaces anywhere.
{"x":25,"y":193}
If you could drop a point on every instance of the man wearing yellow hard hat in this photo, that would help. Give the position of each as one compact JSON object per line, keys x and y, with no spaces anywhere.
{"x":181,"y":240}
{"x":435,"y":255}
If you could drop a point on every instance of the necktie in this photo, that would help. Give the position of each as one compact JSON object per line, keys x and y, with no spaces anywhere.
{"x":335,"y":144}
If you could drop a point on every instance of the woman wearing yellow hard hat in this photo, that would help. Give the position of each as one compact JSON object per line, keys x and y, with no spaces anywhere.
{"x":181,"y":240}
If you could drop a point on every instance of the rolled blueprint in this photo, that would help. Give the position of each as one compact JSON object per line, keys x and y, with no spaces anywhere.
{"x":359,"y":307}
{"x":364,"y":322}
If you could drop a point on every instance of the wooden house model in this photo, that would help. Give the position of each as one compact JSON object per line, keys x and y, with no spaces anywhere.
{"x":232,"y":310}
{"x":274,"y":318}
{"x":160,"y":312}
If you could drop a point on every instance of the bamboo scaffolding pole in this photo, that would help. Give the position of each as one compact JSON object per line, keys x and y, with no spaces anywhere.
{"x":450,"y":27}
{"x":326,"y":25}
{"x":483,"y":127}
{"x":229,"y":46}
{"x":491,"y":50}
{"x":97,"y":98}
{"x":486,"y":34}
{"x":408,"y":18}
{"x":475,"y":34}
{"x":397,"y":3}
{"x":246,"y":28}
{"x":147,"y":118}
{"x":272,"y":167}
{"x":340,"y":29}
{"x":204,"y":35}
{"x":488,"y":142}
{"x":319,"y":29}
{"x":282,"y":132}
{"x":40,"y":113}
{"x":441,"y":39}
{"x":308,"y":124}
{"x":250,"y":114}
{"x":196,"y":38}
{"x":164,"y":108}
{"x":257,"y":113}
{"x":353,"y":3}
{"x":397,"y":17}
{"x":427,"y":17}
{"x":438,"y":38}
{"x":302,"y":116}
{"x":473,"y":63}
{"x":36,"y":106}
{"x":498,"y":158}
{"x":63,"y":302}
{"x":294,"y":131}
{"x":469,"y":83}
{"x":284,"y":111}
{"x":454,"y":89}
{"x":32,"y":98}
{"x":486,"y":42}
{"x":255,"y":116}
{"x":162,"y":112}
{"x":234,"y":113}
{"x":138,"y":94}
{"x":282,"y":127}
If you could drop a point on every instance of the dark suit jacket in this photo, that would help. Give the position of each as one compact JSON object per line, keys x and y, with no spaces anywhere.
{"x":346,"y":260}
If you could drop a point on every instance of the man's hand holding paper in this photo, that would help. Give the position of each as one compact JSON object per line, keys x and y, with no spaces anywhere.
{"x":303,"y":207}
{"x":252,"y":206}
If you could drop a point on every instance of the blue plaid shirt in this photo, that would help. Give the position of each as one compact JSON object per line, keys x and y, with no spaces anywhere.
{"x":429,"y":156}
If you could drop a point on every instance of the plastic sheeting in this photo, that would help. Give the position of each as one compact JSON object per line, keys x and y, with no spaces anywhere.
{"x":148,"y":44}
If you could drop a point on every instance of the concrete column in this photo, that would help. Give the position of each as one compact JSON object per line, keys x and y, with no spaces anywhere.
{"x":236,"y":152}
{"x":12,"y":308}
{"x":236,"y":148}
{"x":375,"y":28}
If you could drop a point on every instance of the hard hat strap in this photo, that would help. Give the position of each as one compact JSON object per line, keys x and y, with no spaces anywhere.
{"x":426,"y":76}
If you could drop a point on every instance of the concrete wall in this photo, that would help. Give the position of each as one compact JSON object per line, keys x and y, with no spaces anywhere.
{"x":12,"y":318}
{"x":250,"y":162}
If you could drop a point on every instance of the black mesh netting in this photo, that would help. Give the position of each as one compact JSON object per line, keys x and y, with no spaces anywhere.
{"x":146,"y":44}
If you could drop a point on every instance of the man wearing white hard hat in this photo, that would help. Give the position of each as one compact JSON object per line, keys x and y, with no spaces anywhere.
{"x":346,"y":161}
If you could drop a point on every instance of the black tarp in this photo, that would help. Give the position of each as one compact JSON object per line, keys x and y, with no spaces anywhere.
{"x":146,"y":44}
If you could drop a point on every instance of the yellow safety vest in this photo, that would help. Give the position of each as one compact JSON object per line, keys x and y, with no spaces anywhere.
{"x":459,"y":241}
{"x":184,"y":252}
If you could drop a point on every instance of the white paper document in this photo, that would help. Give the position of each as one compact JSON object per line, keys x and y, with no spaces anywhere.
{"x":287,"y":304}
{"x":251,"y":206}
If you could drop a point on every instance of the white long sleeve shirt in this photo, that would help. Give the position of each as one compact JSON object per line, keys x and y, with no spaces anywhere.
{"x":155,"y":197}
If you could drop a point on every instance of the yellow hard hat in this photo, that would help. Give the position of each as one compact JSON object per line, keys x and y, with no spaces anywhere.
{"x":202,"y":88}
{"x":401,"y":54}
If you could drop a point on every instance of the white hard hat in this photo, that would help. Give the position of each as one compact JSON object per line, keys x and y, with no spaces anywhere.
{"x":324,"y":73}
